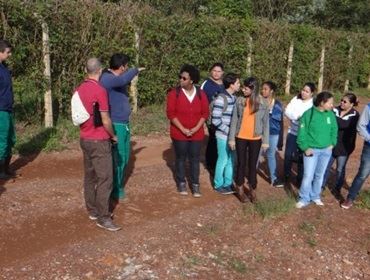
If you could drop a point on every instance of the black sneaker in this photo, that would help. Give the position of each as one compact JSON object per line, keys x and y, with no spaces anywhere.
{"x":181,"y":188}
{"x":195,"y":189}
{"x":278,"y":184}
{"x":108,"y":225}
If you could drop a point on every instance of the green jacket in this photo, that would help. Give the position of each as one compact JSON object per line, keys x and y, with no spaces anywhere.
{"x":317,"y":130}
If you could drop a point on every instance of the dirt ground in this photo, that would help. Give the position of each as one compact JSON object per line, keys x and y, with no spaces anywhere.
{"x":45,"y":232}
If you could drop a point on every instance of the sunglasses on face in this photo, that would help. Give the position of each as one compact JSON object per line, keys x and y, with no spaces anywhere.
{"x":344,"y":101}
{"x":182,"y":78}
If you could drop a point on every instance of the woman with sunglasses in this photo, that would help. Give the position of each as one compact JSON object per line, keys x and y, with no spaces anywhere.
{"x":294,"y":111}
{"x":187,"y":109}
{"x":347,"y":118}
{"x":249,"y":131}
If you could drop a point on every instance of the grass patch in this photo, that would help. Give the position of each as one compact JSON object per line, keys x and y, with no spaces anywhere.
{"x":309,"y":230}
{"x":190,"y":261}
{"x":274,"y":207}
{"x":307,"y":227}
{"x":211,"y":229}
{"x":364,"y":200}
{"x":34,"y":139}
{"x":238,"y":266}
{"x":149,"y":119}
{"x":311,"y":242}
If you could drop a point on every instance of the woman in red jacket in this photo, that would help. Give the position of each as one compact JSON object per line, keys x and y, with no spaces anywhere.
{"x":187,"y":110}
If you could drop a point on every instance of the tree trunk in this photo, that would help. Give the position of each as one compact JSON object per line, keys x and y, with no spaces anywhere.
{"x":133,"y":87}
{"x":346,"y":84}
{"x":249,"y":58}
{"x":321,"y":75}
{"x":289,"y":69}
{"x":48,"y":102}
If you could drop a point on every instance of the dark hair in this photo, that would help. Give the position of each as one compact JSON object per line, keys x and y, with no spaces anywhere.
{"x":322,"y":97}
{"x":312,"y":87}
{"x":229,"y":79}
{"x":217,"y":64}
{"x":117,"y":60}
{"x":4,"y":44}
{"x":254,"y":99}
{"x":352,"y":98}
{"x":192,"y":71}
{"x":271,"y":85}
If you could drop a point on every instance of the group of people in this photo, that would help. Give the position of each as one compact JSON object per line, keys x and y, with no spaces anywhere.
{"x":242,"y":128}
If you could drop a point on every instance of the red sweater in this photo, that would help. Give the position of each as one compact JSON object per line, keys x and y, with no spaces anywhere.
{"x":187,"y":113}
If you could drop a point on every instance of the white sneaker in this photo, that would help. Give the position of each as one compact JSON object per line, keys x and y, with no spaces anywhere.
{"x":318,"y":202}
{"x":300,"y":204}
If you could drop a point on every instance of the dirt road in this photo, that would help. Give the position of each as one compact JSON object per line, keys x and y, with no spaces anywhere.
{"x":45,"y":232}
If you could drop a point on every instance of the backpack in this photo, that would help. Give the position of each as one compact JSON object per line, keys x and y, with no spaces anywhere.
{"x":78,"y":110}
{"x":212,"y":104}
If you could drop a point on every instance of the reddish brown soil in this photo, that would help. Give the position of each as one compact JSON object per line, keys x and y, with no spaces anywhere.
{"x":45,"y":232}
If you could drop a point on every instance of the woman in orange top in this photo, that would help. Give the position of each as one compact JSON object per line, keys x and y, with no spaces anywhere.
{"x":248,"y":132}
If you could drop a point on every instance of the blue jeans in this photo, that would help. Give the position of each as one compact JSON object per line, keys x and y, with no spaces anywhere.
{"x":290,"y":155}
{"x":224,"y":166}
{"x":362,"y":173}
{"x":271,"y":156}
{"x":340,"y":171}
{"x":314,"y":169}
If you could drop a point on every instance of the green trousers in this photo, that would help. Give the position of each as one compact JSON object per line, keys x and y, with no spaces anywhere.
{"x":7,"y":134}
{"x":121,"y":155}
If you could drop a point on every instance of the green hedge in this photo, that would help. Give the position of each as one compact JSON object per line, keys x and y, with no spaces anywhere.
{"x":80,"y":29}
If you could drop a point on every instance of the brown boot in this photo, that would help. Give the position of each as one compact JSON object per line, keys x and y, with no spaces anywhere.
{"x":252,"y":194}
{"x":239,"y":192}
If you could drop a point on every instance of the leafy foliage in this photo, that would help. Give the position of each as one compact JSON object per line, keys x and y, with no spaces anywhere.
{"x":171,"y":33}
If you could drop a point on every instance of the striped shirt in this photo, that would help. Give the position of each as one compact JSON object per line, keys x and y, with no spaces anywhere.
{"x":221,"y":120}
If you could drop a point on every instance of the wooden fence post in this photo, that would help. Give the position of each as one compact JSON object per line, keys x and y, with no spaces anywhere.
{"x":289,"y":68}
{"x":48,"y":102}
{"x":249,"y":57}
{"x":321,"y":75}
{"x":346,"y":84}
{"x":133,"y":87}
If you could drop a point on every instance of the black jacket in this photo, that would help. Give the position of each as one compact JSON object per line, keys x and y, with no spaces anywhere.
{"x":346,"y":132}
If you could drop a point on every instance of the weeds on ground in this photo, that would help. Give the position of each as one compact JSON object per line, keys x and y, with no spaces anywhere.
{"x":271,"y":208}
{"x":211,"y":229}
{"x":149,"y":120}
{"x":238,"y":265}
{"x":34,"y":138}
{"x":309,"y":230}
{"x":307,"y":227}
{"x":364,"y":200}
{"x":190,"y":261}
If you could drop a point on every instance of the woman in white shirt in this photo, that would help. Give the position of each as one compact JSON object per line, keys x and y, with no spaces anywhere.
{"x":294,"y":111}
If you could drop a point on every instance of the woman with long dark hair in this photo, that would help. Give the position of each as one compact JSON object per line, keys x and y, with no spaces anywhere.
{"x":187,"y":110}
{"x":317,"y":135}
{"x":347,"y":117}
{"x":248,"y":132}
{"x":276,"y":119}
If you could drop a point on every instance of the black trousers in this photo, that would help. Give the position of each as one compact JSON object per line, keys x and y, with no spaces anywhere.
{"x":211,"y":150}
{"x":247,"y":150}
{"x":184,"y":150}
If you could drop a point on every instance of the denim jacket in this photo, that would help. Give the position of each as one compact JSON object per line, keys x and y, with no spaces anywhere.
{"x":277,"y":122}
